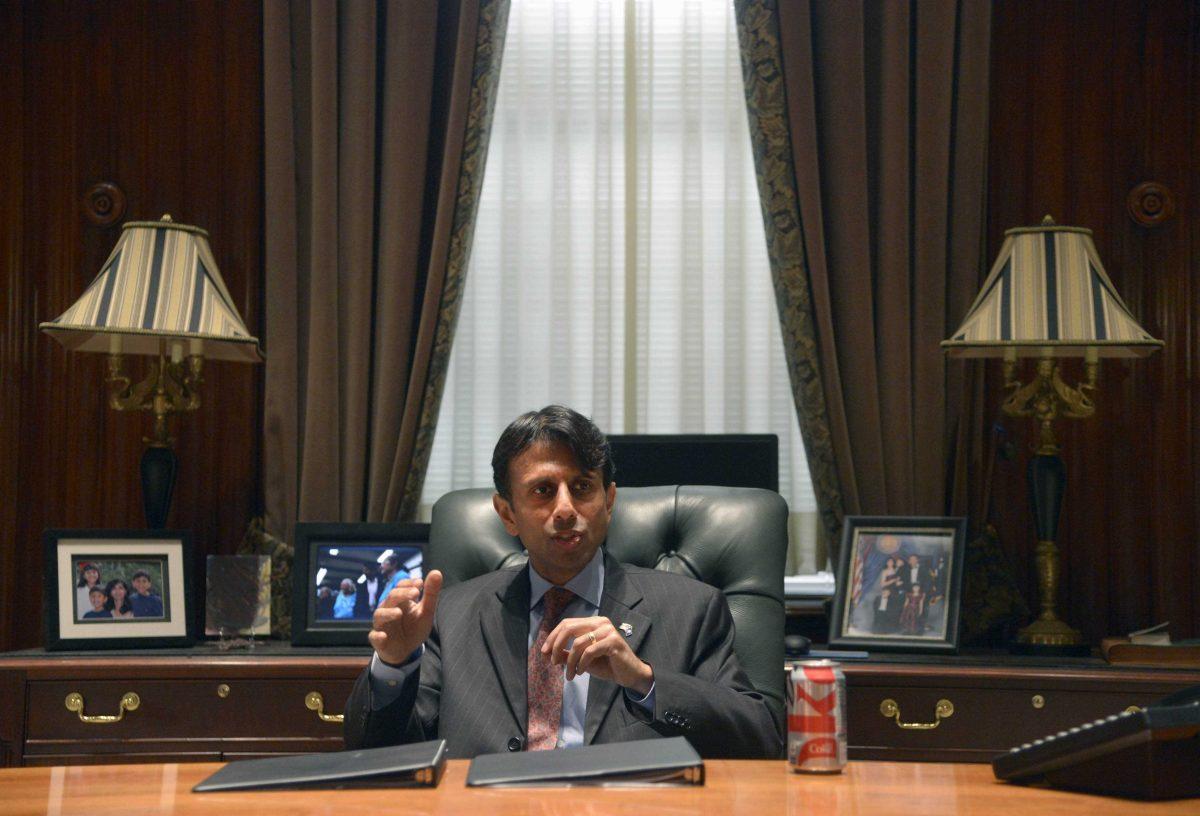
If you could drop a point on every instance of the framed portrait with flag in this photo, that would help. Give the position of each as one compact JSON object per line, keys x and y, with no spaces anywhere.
{"x":900,"y":584}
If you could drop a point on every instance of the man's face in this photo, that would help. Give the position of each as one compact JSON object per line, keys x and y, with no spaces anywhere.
{"x":913,"y":561}
{"x":141,"y":585}
{"x":559,"y":511}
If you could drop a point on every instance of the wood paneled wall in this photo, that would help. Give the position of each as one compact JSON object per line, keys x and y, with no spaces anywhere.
{"x":1089,"y":100}
{"x":163,"y":99}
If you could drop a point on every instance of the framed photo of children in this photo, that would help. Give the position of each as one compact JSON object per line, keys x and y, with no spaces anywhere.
{"x":117,"y":589}
{"x":900,"y":584}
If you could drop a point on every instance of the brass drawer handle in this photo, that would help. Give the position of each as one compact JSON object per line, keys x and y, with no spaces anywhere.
{"x":313,"y":701}
{"x":945,"y":708}
{"x":129,"y":702}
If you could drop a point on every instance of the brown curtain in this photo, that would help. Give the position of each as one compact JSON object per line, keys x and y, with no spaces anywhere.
{"x":376,"y":118}
{"x":869,"y":122}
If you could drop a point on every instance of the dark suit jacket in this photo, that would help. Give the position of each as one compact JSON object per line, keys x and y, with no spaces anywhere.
{"x":472,"y":680}
{"x":924,"y":578}
{"x":362,"y":603}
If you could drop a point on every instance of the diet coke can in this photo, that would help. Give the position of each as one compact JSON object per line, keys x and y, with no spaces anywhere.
{"x":817,"y":717}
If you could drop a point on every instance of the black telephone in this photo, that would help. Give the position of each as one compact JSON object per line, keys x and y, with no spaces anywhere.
{"x":1150,"y":753}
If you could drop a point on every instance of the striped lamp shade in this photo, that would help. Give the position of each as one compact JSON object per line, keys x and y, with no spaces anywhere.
{"x":1047,"y":294}
{"x":160,"y":282}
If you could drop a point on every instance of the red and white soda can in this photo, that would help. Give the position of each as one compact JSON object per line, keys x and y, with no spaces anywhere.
{"x":817,"y":717}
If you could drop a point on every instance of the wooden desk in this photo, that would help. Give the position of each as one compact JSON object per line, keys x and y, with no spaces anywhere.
{"x":202,"y":705}
{"x":732,"y":787}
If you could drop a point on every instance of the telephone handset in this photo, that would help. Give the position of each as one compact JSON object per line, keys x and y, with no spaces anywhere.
{"x":1150,"y":753}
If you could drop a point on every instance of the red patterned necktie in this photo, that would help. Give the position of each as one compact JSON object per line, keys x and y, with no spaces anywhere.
{"x":545,"y":689}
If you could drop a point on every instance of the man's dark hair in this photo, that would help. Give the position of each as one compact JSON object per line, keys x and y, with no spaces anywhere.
{"x":554,"y":423}
{"x":139,"y":574}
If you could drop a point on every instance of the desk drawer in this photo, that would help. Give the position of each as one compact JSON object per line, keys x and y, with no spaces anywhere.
{"x":185,"y":709}
{"x":984,"y":722}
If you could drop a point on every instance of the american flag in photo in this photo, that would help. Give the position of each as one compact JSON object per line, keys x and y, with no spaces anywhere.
{"x":860,"y":567}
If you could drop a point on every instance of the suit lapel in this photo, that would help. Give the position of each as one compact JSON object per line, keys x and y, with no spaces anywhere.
{"x":506,"y":635}
{"x":617,"y":604}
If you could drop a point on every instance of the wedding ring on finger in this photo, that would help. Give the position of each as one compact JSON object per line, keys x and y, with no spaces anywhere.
{"x":592,"y":635}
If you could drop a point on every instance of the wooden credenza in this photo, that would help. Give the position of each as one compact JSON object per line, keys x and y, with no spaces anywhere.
{"x":194,"y":705}
{"x":201,"y":704}
{"x":997,"y":702}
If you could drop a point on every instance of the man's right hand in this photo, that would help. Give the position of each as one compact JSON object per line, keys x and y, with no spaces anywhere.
{"x":403,"y":619}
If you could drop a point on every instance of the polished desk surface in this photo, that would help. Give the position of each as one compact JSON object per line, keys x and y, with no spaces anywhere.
{"x":739,"y":787}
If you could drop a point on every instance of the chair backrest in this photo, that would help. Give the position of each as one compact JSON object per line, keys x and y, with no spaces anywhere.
{"x":732,"y":538}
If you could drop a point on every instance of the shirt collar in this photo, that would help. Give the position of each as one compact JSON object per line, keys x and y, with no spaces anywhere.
{"x":587,"y":584}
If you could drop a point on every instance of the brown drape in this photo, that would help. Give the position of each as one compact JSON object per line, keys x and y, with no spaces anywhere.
{"x":875,"y":114}
{"x":376,"y":119}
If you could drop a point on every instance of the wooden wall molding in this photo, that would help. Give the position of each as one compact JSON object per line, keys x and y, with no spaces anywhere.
{"x":1150,"y":204}
{"x":104,"y":203}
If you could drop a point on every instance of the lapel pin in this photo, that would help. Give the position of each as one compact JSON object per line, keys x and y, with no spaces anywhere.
{"x":626,"y":629}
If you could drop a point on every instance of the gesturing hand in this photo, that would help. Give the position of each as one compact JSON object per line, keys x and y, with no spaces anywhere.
{"x":404,"y":618}
{"x":598,"y":649}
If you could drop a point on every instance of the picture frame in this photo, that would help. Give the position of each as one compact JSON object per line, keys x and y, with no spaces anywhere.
{"x":328,"y":555}
{"x":118,"y":589}
{"x":899,"y":587}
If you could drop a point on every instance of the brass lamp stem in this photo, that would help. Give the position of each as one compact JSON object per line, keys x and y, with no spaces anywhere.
{"x":1045,"y":398}
{"x":170,"y":388}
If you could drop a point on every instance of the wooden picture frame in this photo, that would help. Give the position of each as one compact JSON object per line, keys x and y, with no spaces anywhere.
{"x":329,"y":554}
{"x":94,"y":582}
{"x":900,"y":584}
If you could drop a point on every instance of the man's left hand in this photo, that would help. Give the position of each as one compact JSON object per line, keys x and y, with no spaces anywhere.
{"x":598,"y":649}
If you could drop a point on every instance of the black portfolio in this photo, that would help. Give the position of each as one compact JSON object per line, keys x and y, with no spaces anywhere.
{"x":420,"y":764}
{"x":671,"y":761}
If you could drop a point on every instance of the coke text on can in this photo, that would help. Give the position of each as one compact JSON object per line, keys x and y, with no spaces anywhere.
{"x":817,"y":717}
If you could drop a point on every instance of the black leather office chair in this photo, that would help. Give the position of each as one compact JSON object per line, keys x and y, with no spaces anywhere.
{"x":730,"y":537}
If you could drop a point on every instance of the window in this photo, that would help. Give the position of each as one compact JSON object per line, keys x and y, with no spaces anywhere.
{"x":619,"y":264}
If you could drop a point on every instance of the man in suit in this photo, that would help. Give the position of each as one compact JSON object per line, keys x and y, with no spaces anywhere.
{"x":571,"y":649}
{"x":368,"y":596}
{"x":887,"y":611}
{"x":915,"y":573}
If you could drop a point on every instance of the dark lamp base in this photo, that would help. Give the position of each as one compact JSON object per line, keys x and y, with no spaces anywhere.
{"x":158,"y":482}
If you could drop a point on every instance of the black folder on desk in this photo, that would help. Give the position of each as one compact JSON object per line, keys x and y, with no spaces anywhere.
{"x":417,"y":765}
{"x":670,"y":761}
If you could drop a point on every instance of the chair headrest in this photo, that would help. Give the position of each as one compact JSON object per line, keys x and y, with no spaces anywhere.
{"x":732,"y":538}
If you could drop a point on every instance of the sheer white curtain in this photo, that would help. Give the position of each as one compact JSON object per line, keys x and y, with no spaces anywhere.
{"x":619,"y":263}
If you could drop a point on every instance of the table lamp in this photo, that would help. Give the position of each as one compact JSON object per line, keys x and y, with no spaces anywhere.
{"x":1047,"y":297}
{"x":158,"y":294}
